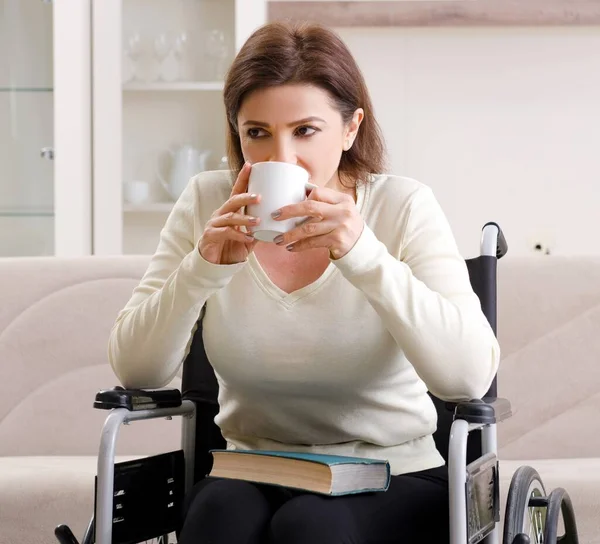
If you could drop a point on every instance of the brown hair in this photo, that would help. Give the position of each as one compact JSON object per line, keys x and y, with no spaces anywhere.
{"x":282,"y":53}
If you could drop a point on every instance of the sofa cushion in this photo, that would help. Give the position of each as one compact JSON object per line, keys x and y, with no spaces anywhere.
{"x":55,"y":319}
{"x":548,"y":323}
{"x":49,"y":420}
{"x":553,"y":383}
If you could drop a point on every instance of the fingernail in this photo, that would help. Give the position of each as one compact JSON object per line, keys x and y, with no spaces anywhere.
{"x":249,"y":237}
{"x":276,"y":214}
{"x":254,"y":220}
{"x":278,"y":239}
{"x":290,"y":247}
{"x":253,"y":195}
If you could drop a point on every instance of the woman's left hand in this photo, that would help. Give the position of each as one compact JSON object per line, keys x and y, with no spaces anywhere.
{"x":333,"y":223}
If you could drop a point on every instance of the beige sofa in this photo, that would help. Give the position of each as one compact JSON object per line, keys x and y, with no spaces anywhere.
{"x":55,"y":316}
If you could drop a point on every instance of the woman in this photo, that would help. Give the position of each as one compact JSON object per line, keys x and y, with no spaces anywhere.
{"x":328,"y":340}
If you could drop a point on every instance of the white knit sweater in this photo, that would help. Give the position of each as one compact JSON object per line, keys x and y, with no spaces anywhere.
{"x":341,"y":366}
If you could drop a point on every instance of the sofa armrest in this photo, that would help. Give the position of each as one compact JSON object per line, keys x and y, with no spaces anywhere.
{"x":137,"y":399}
{"x":487,"y":411}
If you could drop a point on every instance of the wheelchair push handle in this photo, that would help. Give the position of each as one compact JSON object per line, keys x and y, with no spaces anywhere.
{"x":493,"y":242}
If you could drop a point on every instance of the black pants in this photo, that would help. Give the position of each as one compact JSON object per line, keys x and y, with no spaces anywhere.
{"x":413,"y":510}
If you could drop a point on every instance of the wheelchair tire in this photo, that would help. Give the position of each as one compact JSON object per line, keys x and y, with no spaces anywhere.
{"x":559,"y":505}
{"x":521,"y":518}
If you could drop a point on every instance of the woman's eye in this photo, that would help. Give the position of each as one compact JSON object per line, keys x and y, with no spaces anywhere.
{"x":302,"y":132}
{"x":306,"y":131}
{"x":254,"y":132}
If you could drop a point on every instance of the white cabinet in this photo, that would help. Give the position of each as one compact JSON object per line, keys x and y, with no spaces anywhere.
{"x":158,"y":69}
{"x":45,"y":128}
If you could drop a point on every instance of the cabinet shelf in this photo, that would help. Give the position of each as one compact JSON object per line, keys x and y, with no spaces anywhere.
{"x":26,"y":89}
{"x":175,"y":86}
{"x":25,"y":212}
{"x":151,"y":207}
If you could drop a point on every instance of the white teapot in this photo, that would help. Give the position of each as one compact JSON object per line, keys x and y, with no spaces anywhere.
{"x":186,"y":162}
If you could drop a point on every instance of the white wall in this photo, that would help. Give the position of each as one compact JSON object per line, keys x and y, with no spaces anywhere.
{"x":503,"y":124}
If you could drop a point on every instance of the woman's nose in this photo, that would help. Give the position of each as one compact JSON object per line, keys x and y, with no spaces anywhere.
{"x":283,"y":152}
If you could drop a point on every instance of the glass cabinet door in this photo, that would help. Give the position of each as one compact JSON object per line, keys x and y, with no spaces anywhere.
{"x":26,"y":128}
{"x":158,"y":114}
{"x":45,"y":128}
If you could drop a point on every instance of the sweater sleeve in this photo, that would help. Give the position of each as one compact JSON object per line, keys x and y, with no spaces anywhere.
{"x":425,"y":299}
{"x":152,"y":333}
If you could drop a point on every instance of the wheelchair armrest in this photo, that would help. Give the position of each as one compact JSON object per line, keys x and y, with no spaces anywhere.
{"x":487,"y":411}
{"x":137,"y":399}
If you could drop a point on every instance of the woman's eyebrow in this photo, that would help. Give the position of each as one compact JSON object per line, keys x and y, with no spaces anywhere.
{"x":311,"y":119}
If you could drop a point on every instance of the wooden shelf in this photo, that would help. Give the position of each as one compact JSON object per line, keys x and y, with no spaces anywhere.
{"x":175,"y":86}
{"x":398,"y":13}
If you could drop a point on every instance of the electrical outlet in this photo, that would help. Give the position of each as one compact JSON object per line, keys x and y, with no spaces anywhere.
{"x":542,"y":243}
{"x":539,"y":247}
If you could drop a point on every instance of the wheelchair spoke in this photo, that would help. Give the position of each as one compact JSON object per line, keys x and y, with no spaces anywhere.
{"x":536,"y":519}
{"x":536,"y":525}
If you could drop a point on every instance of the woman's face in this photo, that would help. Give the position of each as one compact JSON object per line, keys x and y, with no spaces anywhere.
{"x":296,"y":124}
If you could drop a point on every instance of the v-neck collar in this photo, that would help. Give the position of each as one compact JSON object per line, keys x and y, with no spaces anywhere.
{"x":289,"y":299}
{"x":279,"y":294}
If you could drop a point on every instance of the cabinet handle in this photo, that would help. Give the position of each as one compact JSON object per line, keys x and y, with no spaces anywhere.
{"x":47,"y":153}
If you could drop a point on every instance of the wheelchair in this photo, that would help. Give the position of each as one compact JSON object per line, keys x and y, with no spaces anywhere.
{"x":141,"y":500}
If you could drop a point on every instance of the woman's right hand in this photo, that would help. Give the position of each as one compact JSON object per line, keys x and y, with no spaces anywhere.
{"x":223,"y":241}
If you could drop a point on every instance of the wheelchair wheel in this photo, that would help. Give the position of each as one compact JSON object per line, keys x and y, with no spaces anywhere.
{"x":559,"y":505}
{"x":522,"y":517}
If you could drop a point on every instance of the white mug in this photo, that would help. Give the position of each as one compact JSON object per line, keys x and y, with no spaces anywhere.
{"x":279,"y":184}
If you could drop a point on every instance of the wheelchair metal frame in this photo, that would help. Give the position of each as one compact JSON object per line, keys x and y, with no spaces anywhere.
{"x":457,"y":458}
{"x":459,"y":433}
{"x":457,"y":477}
{"x":106,"y":459}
